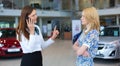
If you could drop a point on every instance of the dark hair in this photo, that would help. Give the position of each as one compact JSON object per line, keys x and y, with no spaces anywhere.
{"x":22,"y":26}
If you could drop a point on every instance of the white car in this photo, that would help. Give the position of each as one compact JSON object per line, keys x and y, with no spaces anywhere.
{"x":109,"y":44}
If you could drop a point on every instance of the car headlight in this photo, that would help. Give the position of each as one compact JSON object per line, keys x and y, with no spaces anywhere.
{"x":1,"y":45}
{"x":108,"y":46}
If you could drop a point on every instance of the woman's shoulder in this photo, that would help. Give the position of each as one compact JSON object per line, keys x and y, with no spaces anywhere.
{"x":36,"y":26}
{"x":94,"y":31}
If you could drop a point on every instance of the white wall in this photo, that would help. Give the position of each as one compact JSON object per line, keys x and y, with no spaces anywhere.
{"x":35,"y":1}
{"x":16,"y":12}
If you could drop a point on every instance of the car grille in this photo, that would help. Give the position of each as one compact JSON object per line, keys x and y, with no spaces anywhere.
{"x":13,"y":52}
{"x":100,"y":55}
{"x":100,"y":46}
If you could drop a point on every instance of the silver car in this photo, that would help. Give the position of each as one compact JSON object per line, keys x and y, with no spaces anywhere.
{"x":109,"y":44}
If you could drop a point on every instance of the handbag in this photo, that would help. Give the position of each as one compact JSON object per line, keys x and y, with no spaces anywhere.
{"x":76,"y":36}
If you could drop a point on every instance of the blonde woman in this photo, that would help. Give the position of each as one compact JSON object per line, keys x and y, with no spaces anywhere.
{"x":87,"y":44}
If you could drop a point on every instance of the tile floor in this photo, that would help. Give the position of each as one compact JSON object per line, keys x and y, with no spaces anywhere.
{"x":59,"y":54}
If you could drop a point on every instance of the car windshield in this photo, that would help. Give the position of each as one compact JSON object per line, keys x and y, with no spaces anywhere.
{"x":7,"y":33}
{"x":109,"y":31}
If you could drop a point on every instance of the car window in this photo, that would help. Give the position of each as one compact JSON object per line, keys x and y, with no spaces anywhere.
{"x":7,"y":33}
{"x":0,"y":34}
{"x":111,"y":31}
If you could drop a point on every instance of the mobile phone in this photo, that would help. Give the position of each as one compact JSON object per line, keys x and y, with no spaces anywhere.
{"x":26,"y":17}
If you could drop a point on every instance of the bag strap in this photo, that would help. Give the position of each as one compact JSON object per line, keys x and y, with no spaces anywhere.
{"x":77,"y":36}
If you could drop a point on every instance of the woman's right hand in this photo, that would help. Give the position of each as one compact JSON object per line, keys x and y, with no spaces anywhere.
{"x":75,"y":46}
{"x":30,"y":25}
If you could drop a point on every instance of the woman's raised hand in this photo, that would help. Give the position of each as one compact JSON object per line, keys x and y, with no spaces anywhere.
{"x":30,"y":25}
{"x":55,"y":33}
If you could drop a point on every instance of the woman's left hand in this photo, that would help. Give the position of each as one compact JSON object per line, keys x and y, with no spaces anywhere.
{"x":55,"y":33}
{"x":30,"y":25}
{"x":86,"y":54}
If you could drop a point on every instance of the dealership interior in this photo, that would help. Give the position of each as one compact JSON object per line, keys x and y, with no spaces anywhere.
{"x":60,"y":13}
{"x":56,"y":12}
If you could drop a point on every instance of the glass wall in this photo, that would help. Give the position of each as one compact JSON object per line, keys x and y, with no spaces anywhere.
{"x":118,"y":3}
{"x":7,"y":22}
{"x":84,"y":3}
{"x":14,"y":4}
{"x":107,"y":20}
{"x":100,"y":4}
{"x":60,"y":4}
{"x":66,"y":5}
{"x":39,"y":4}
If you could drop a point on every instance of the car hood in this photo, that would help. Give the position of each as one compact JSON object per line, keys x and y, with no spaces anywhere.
{"x":9,"y":41}
{"x":108,"y":39}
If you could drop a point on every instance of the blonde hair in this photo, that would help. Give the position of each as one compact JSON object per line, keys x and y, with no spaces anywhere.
{"x":92,"y":17}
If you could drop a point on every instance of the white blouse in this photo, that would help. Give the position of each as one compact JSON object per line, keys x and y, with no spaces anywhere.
{"x":35,"y":42}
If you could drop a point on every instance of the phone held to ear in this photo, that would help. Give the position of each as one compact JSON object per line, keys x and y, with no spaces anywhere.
{"x":27,"y":17}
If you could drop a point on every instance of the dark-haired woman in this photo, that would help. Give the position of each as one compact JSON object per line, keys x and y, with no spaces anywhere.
{"x":31,"y":39}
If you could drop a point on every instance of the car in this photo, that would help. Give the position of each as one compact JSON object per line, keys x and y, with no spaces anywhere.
{"x":9,"y":45}
{"x":109,"y":43}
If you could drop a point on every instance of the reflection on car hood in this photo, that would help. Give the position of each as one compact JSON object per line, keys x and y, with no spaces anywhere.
{"x":9,"y":41}
{"x":108,"y":39}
